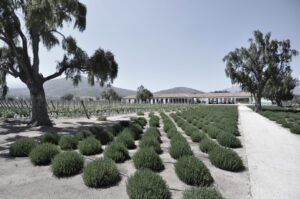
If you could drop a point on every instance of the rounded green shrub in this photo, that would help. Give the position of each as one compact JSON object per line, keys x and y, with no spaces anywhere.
{"x":147,"y":158}
{"x":95,"y":128}
{"x":213,"y":132}
{"x":43,"y":154}
{"x":152,"y":131}
{"x":124,"y":123}
{"x":198,"y":136}
{"x":140,"y":113}
{"x":83,"y":134}
{"x":50,"y":138}
{"x":147,"y":184}
{"x":172,"y":132}
{"x":103,"y":136}
{"x":192,"y":171}
{"x":135,"y":130}
{"x":225,"y":159}
{"x":127,"y":139}
{"x":151,"y":142}
{"x":102,"y":172}
{"x":22,"y":147}
{"x":67,"y":164}
{"x":179,"y":147}
{"x":201,"y":193}
{"x":116,"y":151}
{"x":154,"y":121}
{"x":102,"y":118}
{"x":89,"y":146}
{"x":295,"y":129}
{"x":228,"y":140}
{"x":115,"y":129}
{"x":68,"y":142}
{"x":151,"y":114}
{"x":206,"y":145}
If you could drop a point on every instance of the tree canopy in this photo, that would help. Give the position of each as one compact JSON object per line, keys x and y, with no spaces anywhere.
{"x":253,"y":67}
{"x":110,"y":95}
{"x":143,"y":94}
{"x":25,"y":25}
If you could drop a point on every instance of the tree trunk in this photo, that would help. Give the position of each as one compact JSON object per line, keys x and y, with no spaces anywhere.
{"x":279,"y":103}
{"x":39,"y":106}
{"x":257,"y":102}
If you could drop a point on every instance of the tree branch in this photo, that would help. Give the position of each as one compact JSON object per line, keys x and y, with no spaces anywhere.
{"x":9,"y":72}
{"x":54,"y":75}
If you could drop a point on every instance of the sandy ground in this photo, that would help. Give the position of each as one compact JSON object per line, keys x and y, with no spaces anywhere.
{"x":273,"y":157}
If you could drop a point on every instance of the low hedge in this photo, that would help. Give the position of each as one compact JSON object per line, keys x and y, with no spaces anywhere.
{"x":192,"y":171}
{"x":102,"y":172}
{"x":228,"y":140}
{"x":127,"y":139}
{"x":147,"y":184}
{"x":43,"y":154}
{"x":295,"y":129}
{"x":152,"y":131}
{"x":139,"y":120}
{"x":179,"y":147}
{"x":151,"y":142}
{"x":103,"y":136}
{"x":140,"y":113}
{"x":172,"y":132}
{"x":213,"y":132}
{"x":83,"y":134}
{"x":201,"y":193}
{"x":22,"y":147}
{"x":50,"y":138}
{"x":68,"y":142}
{"x":147,"y":158}
{"x":116,"y":151}
{"x":197,"y":136}
{"x":225,"y":159}
{"x":136,"y":130}
{"x":89,"y":146}
{"x":124,"y":123}
{"x":102,"y":118}
{"x":151,"y":114}
{"x":206,"y":145}
{"x":154,"y":121}
{"x":67,"y":164}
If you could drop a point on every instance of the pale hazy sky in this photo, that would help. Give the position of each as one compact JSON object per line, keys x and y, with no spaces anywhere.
{"x":167,"y":43}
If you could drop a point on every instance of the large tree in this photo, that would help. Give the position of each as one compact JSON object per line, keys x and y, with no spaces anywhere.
{"x":252,"y":67}
{"x":143,"y":94}
{"x":25,"y":25}
{"x":110,"y":95}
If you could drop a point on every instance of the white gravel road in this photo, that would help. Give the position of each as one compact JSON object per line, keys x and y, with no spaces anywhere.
{"x":273,"y":157}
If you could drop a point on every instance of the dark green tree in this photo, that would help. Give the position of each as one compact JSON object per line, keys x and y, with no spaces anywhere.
{"x":143,"y":94}
{"x":43,"y":21}
{"x":252,"y":67}
{"x":110,"y":95}
{"x":67,"y":97}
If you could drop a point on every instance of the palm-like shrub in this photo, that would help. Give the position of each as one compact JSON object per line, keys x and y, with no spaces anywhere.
{"x":192,"y":171}
{"x":68,"y":142}
{"x":50,"y":138}
{"x":127,"y":139}
{"x":228,"y":140}
{"x":101,"y":172}
{"x":116,"y":151}
{"x":225,"y":159}
{"x":201,"y":193}
{"x":43,"y":154}
{"x":22,"y":147}
{"x":67,"y":164}
{"x":206,"y":145}
{"x":147,"y":158}
{"x":150,"y":142}
{"x":147,"y":184}
{"x":89,"y":146}
{"x":83,"y":134}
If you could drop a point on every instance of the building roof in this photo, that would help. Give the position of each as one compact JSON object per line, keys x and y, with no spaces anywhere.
{"x":196,"y":95}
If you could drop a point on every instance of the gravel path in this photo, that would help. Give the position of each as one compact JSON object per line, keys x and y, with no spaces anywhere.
{"x":273,"y":157}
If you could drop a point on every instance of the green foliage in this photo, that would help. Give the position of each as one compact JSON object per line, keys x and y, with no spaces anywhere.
{"x":179,"y":147}
{"x":101,"y":118}
{"x":147,"y":158}
{"x":206,"y":145}
{"x":192,"y":171}
{"x":152,"y":131}
{"x":67,"y":97}
{"x":22,"y":147}
{"x":110,"y":95}
{"x":67,"y":164}
{"x":140,"y":113}
{"x":43,"y":154}
{"x":89,"y":146}
{"x":50,"y":138}
{"x":197,"y":136}
{"x":151,"y":114}
{"x":150,"y":142}
{"x":126,"y":138}
{"x":143,"y":94}
{"x":225,"y":159}
{"x":116,"y":151}
{"x":228,"y":140}
{"x":68,"y":142}
{"x":154,"y":121}
{"x":201,"y":193}
{"x":295,"y":129}
{"x":147,"y":184}
{"x":83,"y":134}
{"x":213,"y":132}
{"x":125,"y":123}
{"x":103,"y":136}
{"x":101,"y":172}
